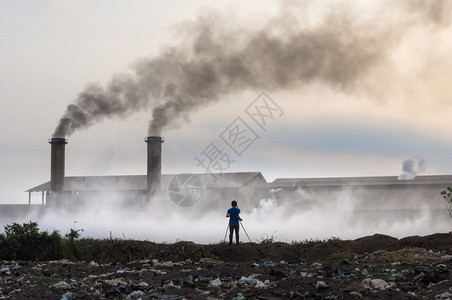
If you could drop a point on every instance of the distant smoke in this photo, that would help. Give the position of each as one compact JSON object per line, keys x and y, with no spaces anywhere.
{"x":412,"y":167}
{"x":437,"y":12}
{"x":336,"y":52}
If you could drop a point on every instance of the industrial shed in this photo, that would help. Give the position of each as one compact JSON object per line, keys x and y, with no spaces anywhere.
{"x":371,"y":193}
{"x":206,"y":191}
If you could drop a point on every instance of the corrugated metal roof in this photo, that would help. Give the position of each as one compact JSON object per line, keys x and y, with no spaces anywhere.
{"x":362,"y":181}
{"x":235,"y":180}
{"x":139,"y":182}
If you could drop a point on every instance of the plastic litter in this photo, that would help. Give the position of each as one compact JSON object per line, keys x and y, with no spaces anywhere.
{"x":136,"y":294}
{"x":4,"y":270}
{"x":66,"y":296}
{"x":244,"y":279}
{"x":216,"y":282}
{"x":268,"y":263}
{"x":201,"y":279}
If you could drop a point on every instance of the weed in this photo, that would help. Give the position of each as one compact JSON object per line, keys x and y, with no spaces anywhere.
{"x":267,"y":239}
{"x":315,"y":241}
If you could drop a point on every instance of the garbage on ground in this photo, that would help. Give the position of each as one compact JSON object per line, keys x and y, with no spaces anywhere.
{"x":66,"y":296}
{"x":268,"y":263}
{"x":352,"y":277}
{"x":250,"y":280}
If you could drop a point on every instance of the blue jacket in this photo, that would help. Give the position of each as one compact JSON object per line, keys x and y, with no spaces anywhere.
{"x":233,"y":215}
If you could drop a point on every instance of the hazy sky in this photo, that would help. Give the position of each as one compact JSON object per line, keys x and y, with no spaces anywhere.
{"x":361,"y":86}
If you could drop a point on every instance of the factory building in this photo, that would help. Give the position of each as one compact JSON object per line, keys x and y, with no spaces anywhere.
{"x":216,"y":190}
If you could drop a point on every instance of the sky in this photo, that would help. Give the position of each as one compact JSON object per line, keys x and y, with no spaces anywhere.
{"x":356,"y":88}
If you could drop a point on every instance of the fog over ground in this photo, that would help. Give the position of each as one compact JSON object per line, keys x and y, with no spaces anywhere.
{"x":327,"y":217}
{"x":364,"y":87}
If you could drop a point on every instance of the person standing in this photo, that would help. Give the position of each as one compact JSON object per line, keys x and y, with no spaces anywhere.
{"x":234,"y":218}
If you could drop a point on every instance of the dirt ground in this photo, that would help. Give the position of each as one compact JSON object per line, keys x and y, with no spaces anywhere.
{"x":373,"y":267}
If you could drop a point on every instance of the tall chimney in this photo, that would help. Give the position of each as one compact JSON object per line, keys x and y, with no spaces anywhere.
{"x":57,"y":159}
{"x":154,"y":164}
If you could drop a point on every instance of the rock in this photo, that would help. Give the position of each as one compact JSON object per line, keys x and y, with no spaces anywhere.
{"x":166,"y":264}
{"x":366,"y":283}
{"x":391,"y":285}
{"x":316,"y":265}
{"x":321,"y":285}
{"x":171,"y":285}
{"x":61,"y":285}
{"x":202,"y":292}
{"x":278,"y":273}
{"x":136,"y":294}
{"x":357,"y":295}
{"x":76,"y":284}
{"x":15,"y":291}
{"x":216,"y":282}
{"x":419,"y":277}
{"x":377,"y":253}
{"x":113,"y":292}
{"x":116,"y":282}
{"x":444,"y":296}
{"x":143,"y":285}
{"x":378,"y":283}
{"x":93,"y":264}
{"x":208,"y":261}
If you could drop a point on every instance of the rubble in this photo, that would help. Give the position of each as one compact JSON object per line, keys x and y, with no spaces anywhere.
{"x":409,"y":272}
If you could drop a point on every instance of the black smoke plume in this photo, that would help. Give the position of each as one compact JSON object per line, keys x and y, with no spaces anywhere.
{"x":218,"y":60}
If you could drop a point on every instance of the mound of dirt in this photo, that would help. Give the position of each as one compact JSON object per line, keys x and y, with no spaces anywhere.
{"x":120,"y":251}
{"x":125,"y":251}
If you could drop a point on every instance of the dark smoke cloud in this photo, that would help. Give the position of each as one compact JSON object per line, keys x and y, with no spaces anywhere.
{"x":215,"y":62}
{"x":437,"y":12}
{"x":412,"y":167}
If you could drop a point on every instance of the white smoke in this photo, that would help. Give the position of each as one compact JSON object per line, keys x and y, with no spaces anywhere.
{"x":341,"y":214}
{"x":412,"y":167}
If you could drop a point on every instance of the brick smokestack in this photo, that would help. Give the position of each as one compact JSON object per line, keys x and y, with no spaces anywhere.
{"x":154,"y":170}
{"x":57,"y":161}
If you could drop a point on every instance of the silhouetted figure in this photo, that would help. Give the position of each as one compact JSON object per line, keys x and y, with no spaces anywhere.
{"x":234,"y":221}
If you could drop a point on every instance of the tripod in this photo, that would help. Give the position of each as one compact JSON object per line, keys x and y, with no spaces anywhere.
{"x":227,"y":228}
